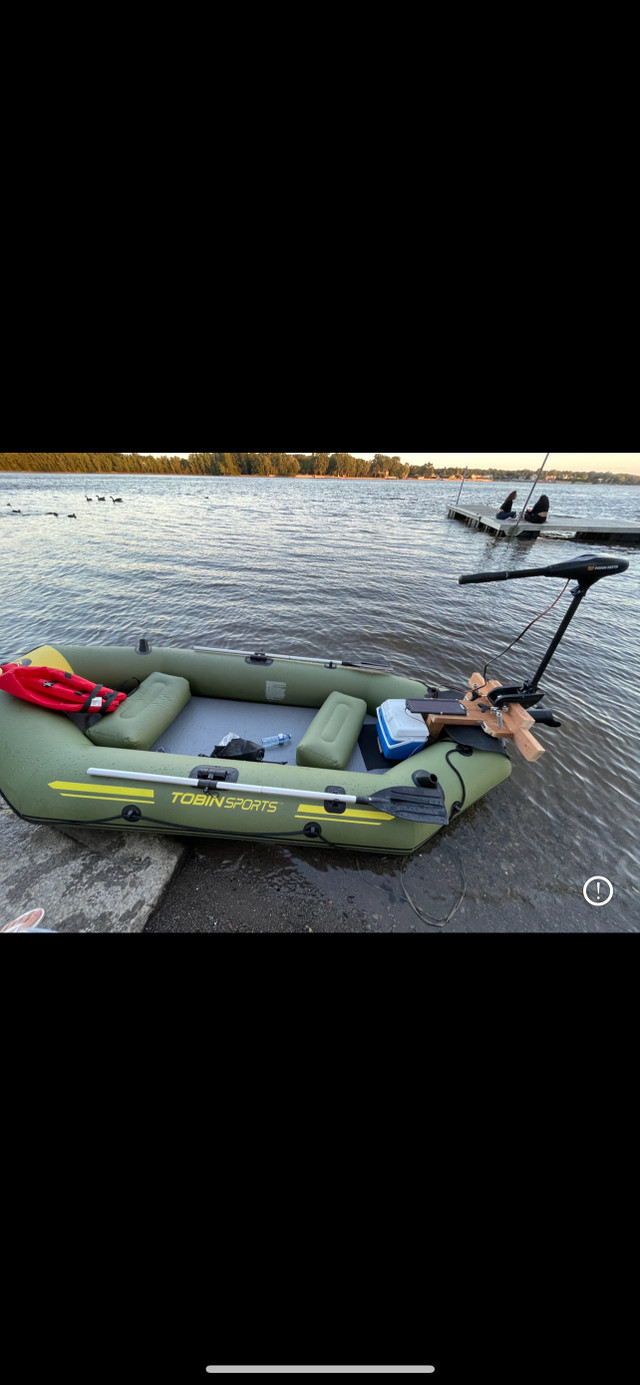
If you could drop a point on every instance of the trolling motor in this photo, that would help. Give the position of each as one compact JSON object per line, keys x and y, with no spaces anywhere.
{"x":490,"y":711}
{"x":587,"y":569}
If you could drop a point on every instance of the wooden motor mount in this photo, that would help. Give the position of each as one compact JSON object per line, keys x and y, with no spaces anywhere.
{"x":515,"y":720}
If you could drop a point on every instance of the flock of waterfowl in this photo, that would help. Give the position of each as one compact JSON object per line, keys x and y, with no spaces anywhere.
{"x":117,"y":500}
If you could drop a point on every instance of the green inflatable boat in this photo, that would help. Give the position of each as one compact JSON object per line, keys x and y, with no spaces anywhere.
{"x":163,"y":758}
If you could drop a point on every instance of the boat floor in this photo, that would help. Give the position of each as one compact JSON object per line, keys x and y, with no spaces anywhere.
{"x":204,"y":722}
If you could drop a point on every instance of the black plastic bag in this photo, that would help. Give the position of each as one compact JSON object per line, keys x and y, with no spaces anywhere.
{"x":238,"y":750}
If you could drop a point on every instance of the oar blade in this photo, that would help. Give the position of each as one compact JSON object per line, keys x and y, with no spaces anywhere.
{"x":413,"y":802}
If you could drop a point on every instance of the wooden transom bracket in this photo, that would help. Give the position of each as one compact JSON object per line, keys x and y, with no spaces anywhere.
{"x":515,"y":720}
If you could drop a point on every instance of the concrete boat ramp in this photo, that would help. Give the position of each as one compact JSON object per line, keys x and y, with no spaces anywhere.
{"x":87,"y":881}
{"x":619,"y":531}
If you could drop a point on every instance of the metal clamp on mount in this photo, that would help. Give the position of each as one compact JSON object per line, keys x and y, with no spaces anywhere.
{"x":525,"y":695}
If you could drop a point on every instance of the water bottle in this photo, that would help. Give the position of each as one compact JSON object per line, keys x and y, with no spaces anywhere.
{"x":281,"y":739}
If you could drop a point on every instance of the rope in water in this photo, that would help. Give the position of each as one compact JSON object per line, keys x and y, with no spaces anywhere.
{"x":425,"y":918}
{"x":438,"y":923}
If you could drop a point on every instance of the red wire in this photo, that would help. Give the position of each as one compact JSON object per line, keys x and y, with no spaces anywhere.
{"x":527,"y":627}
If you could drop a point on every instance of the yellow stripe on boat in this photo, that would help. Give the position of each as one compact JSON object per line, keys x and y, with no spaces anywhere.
{"x":91,"y":790}
{"x":354,"y":814}
{"x":353,"y":822}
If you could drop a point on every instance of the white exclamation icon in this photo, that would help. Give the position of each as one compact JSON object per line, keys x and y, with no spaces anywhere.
{"x":599,"y":886}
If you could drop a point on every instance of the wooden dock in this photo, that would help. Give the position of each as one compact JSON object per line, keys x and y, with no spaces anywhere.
{"x":619,"y":531}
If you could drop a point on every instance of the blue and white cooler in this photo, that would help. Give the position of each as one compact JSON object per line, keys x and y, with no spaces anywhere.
{"x":400,"y":733}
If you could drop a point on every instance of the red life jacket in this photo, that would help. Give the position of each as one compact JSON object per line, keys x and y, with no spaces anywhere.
{"x":56,"y":690}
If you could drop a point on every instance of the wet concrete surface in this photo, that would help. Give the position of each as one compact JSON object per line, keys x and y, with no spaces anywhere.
{"x":476,"y":877}
{"x":87,"y":881}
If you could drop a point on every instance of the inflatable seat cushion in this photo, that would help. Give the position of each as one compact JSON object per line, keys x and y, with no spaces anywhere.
{"x":144,"y":716}
{"x":330,"y":739}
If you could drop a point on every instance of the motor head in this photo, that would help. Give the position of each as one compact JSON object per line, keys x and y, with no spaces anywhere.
{"x":586,"y":569}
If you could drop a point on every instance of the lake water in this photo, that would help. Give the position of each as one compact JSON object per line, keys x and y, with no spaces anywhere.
{"x":346,"y":568}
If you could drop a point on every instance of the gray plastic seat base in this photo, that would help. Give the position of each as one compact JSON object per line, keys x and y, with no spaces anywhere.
{"x":204,"y":722}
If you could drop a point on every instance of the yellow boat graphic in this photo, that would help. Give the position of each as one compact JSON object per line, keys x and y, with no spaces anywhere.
{"x":102,"y":793}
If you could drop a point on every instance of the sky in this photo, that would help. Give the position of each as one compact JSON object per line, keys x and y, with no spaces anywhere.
{"x":503,"y":461}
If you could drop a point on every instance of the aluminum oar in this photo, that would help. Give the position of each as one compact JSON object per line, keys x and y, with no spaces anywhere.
{"x":416,"y":803}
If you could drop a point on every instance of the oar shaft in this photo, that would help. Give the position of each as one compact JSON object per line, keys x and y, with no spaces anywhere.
{"x":208,"y":784}
{"x":362,"y":665}
{"x":288,"y":658}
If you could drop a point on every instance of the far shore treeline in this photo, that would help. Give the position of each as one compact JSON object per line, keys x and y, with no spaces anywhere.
{"x":336,"y":464}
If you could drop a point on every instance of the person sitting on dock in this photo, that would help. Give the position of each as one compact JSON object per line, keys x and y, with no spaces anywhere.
{"x":506,"y":510}
{"x":539,"y":513}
